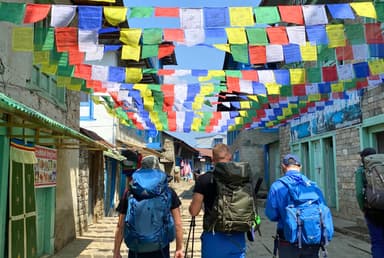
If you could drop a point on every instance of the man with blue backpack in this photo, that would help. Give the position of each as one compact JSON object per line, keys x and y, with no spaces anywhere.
{"x":149,"y":215}
{"x":304,"y":222}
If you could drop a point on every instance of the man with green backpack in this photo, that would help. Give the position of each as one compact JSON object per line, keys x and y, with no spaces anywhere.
{"x":229,"y":208}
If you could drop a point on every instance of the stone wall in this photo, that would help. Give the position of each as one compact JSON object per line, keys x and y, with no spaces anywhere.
{"x":250,"y":144}
{"x":347,"y":160}
{"x":81,"y":219}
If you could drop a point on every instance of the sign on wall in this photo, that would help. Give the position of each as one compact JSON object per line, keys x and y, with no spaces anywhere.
{"x":45,"y":168}
{"x":342,"y":113}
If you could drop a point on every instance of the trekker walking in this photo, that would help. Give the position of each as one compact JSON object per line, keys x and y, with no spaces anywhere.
{"x":150,"y":169}
{"x":373,"y":217}
{"x":219,"y":238}
{"x":294,"y":203}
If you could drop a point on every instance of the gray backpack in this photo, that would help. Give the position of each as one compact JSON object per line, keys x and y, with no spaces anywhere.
{"x":374,"y":187}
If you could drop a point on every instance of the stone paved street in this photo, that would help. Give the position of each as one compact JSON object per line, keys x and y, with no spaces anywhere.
{"x":98,"y":241}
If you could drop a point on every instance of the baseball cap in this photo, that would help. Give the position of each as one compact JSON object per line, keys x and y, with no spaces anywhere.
{"x":291,"y":159}
{"x":367,"y":151}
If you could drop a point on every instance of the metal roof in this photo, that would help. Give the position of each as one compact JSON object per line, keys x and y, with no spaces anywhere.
{"x":14,"y":114}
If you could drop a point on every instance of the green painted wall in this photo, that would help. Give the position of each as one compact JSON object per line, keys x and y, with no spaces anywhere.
{"x":4,"y":153}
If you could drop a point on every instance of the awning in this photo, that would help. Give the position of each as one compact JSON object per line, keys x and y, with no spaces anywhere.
{"x":140,"y":148}
{"x":46,"y":131}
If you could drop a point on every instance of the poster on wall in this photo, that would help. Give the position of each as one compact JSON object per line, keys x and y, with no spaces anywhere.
{"x":45,"y":168}
{"x":342,"y":113}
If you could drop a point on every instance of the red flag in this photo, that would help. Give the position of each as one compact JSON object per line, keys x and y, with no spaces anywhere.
{"x":83,"y":71}
{"x":75,"y":57}
{"x":344,"y":53}
{"x":233,"y":84}
{"x":277,"y":35}
{"x":291,"y":14}
{"x":329,"y":74}
{"x":373,"y":33}
{"x":173,"y":35}
{"x":165,"y":50}
{"x":250,"y":75}
{"x":299,"y":90}
{"x":36,"y":12}
{"x":257,"y":54}
{"x":166,"y":12}
{"x":66,"y":39}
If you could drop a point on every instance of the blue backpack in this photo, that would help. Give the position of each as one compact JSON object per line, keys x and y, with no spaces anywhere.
{"x":308,"y":220}
{"x":149,"y":225}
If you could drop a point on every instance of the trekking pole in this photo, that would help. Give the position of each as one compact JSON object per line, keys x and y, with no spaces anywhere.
{"x":191,"y":229}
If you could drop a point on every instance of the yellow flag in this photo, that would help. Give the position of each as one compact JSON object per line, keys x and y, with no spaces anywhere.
{"x":133,"y":74}
{"x":74,"y":86}
{"x":365,"y":9}
{"x":287,"y":112}
{"x":41,"y":57}
{"x":273,"y":88}
{"x":297,"y":75}
{"x":196,"y":124}
{"x":206,"y":89}
{"x":115,"y":14}
{"x":308,"y":52}
{"x":253,"y":98}
{"x":154,"y":116}
{"x":337,"y":87}
{"x":130,"y":52}
{"x":223,"y":47}
{"x":63,"y":81}
{"x":292,"y":105}
{"x":49,"y":69}
{"x":376,"y":66}
{"x":149,"y":102}
{"x":239,"y":120}
{"x":130,"y":36}
{"x":141,"y":87}
{"x":241,"y":16}
{"x":204,"y":78}
{"x":236,"y":35}
{"x":198,"y":103}
{"x":314,"y":97}
{"x":245,"y":105}
{"x":216,"y":73}
{"x":243,"y":113}
{"x":105,"y":1}
{"x":22,"y":39}
{"x":336,"y":35}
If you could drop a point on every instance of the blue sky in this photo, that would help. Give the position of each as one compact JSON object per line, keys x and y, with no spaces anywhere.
{"x":196,"y":57}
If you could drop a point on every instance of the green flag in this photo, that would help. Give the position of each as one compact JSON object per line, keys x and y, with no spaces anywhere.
{"x":325,"y":54}
{"x":152,"y":36}
{"x":12,"y":12}
{"x":313,"y":74}
{"x":149,"y":51}
{"x":256,"y":36}
{"x":355,"y":33}
{"x":240,"y":53}
{"x":140,"y":12}
{"x":267,"y":15}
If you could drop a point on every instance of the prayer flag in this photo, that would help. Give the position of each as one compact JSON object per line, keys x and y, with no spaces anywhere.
{"x":314,"y":14}
{"x":140,"y":12}
{"x":115,"y":14}
{"x":215,"y":17}
{"x":257,"y":36}
{"x":291,"y":14}
{"x":166,"y":12}
{"x":266,"y":15}
{"x":292,"y":53}
{"x":90,"y":17}
{"x":329,"y":73}
{"x":341,"y":11}
{"x":365,"y":9}
{"x":236,"y":35}
{"x":373,"y":33}
{"x":241,"y":16}
{"x":277,"y":35}
{"x":35,"y":12}
{"x":22,"y":39}
{"x":336,"y":35}
{"x":131,"y":52}
{"x":12,"y":12}
{"x":62,"y":15}
{"x":257,"y":54}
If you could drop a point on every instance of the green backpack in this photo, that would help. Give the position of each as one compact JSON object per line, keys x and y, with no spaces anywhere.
{"x":234,"y":207}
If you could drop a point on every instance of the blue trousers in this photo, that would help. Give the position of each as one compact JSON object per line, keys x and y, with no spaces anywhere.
{"x":376,"y":233}
{"x":223,"y":245}
{"x":287,"y":250}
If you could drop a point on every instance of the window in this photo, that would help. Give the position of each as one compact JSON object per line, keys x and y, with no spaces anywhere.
{"x":86,"y":107}
{"x":46,"y":86}
{"x":217,"y":141}
{"x":42,"y":81}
